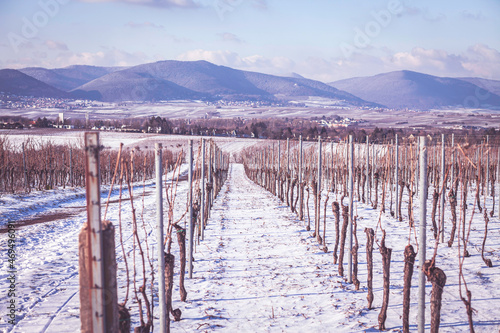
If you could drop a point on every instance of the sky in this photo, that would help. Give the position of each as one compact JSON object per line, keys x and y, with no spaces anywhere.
{"x":325,"y":40}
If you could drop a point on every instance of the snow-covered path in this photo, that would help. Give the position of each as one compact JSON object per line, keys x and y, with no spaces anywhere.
{"x":257,"y":269}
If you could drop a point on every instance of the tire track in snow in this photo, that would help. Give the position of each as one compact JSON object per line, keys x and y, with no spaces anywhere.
{"x":58,"y":311}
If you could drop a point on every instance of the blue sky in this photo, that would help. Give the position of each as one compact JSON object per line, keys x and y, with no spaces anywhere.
{"x":325,"y":40}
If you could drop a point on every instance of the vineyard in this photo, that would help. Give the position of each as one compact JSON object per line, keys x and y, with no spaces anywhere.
{"x":450,"y":175}
{"x":40,"y":165}
{"x":290,"y":236}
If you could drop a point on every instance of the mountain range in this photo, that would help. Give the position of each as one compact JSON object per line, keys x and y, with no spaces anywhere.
{"x":170,"y":79}
{"x":407,"y":89}
{"x":15,"y":82}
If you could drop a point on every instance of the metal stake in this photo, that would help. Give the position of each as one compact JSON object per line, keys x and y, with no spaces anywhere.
{"x":422,"y":234}
{"x":159,"y":237}
{"x":351,"y":206}
{"x":190,"y":202}
{"x":202,"y":224}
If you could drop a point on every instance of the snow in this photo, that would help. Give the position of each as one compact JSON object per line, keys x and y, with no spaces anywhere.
{"x":130,"y":140}
{"x":257,"y":270}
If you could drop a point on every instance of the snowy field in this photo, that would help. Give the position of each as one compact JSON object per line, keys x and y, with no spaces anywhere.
{"x":130,"y":140}
{"x":257,"y":270}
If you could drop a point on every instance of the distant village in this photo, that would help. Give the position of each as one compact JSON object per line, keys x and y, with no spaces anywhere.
{"x":10,"y":101}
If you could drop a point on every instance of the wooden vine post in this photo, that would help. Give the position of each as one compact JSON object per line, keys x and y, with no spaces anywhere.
{"x":409,"y":256}
{"x":437,"y":277}
{"x":370,"y":235}
{"x":97,"y":262}
{"x":422,"y":233}
{"x":386,"y":263}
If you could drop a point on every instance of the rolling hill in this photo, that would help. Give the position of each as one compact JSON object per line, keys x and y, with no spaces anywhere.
{"x":68,"y":78}
{"x":213,"y":81}
{"x":493,"y":86}
{"x":14,"y":82}
{"x":134,"y":86}
{"x":407,"y":89}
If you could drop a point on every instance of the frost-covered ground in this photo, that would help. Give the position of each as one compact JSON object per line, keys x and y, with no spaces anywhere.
{"x":258,"y":269}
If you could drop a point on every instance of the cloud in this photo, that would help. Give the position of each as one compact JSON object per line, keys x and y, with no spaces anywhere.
{"x":260,"y":4}
{"x":325,"y":70}
{"x":472,"y":16}
{"x":424,"y":12}
{"x":153,"y":3}
{"x":478,"y":60}
{"x":258,"y":63}
{"x":420,"y":57}
{"x":111,"y":57}
{"x":53,"y":45}
{"x":482,"y":61}
{"x":225,"y":58}
{"x":108,"y":57}
{"x":135,"y":25}
{"x":434,"y":17}
{"x":229,"y":37}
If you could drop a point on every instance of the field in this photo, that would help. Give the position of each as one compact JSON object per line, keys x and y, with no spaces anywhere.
{"x":317,"y":107}
{"x":259,"y":267}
